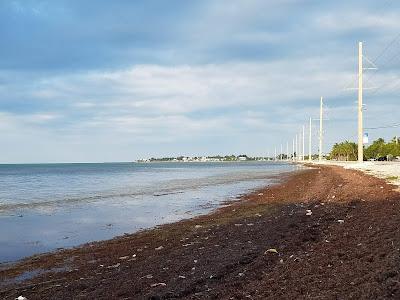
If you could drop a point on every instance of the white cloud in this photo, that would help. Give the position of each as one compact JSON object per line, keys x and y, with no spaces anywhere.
{"x":350,"y":19}
{"x":153,"y":90}
{"x":129,"y":112}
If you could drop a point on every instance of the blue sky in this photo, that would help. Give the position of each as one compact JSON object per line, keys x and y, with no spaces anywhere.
{"x":122,"y":80}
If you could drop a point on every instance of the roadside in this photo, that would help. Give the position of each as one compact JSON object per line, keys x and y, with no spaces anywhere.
{"x":325,"y":233}
{"x":389,"y":171}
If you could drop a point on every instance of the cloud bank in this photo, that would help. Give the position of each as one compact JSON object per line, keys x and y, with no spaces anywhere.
{"x":206,"y":77}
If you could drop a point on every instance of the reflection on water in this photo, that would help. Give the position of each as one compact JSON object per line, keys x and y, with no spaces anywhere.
{"x":27,"y":275}
{"x":45,"y":207}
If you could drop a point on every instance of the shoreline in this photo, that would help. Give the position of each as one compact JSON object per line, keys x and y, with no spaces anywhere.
{"x":264,"y":245}
{"x":202,"y":210}
{"x":187,"y":198}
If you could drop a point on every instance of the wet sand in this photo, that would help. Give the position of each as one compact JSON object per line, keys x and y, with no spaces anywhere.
{"x":324,"y":233}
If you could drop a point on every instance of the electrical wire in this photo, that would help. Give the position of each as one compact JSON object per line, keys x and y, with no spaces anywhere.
{"x":384,"y":126}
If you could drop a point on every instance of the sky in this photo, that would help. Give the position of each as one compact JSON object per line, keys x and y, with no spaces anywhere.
{"x":102,"y":81}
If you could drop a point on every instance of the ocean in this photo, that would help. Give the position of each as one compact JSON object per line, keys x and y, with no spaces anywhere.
{"x":44,"y":207}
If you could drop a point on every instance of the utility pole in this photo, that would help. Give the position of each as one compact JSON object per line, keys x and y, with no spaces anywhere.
{"x":360,"y":103}
{"x":281,"y":155}
{"x":320,"y":129}
{"x":300,"y":139}
{"x":309,"y":141}
{"x":287,"y":150}
{"x":275,"y":154}
{"x":296,"y":154}
{"x":293,"y":151}
{"x":303,"y":152}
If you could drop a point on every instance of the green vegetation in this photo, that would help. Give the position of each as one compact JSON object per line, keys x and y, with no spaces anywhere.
{"x":392,"y":177}
{"x":348,"y":150}
{"x":344,"y":151}
{"x":379,"y":149}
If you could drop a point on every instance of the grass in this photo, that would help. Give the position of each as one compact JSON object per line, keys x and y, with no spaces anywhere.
{"x":392,"y":177}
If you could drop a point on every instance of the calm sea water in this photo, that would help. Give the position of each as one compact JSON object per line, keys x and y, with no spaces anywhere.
{"x":48,"y":206}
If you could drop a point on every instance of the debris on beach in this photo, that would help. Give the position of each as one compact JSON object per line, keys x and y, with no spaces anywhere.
{"x":158,"y":284}
{"x":114,"y":266}
{"x":271,"y":250}
{"x":340,"y":221}
{"x":198,"y":226}
{"x":261,"y":194}
{"x":159,"y":248}
{"x":308,"y":212}
{"x":21,"y":298}
{"x":123,"y":257}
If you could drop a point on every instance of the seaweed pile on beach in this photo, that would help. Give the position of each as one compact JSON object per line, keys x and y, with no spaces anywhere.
{"x":323,"y":233}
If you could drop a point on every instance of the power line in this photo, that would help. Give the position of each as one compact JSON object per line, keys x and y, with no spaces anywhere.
{"x":393,"y":57}
{"x":374,"y":61}
{"x":385,"y":126}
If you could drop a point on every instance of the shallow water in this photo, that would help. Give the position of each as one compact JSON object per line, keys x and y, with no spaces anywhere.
{"x":49,"y":206}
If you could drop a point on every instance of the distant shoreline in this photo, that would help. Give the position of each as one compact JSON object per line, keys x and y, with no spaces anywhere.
{"x":210,"y":161}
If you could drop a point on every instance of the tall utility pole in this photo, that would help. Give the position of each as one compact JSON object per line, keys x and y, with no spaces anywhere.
{"x":320,"y":128}
{"x":300,"y":146}
{"x":293,"y":151}
{"x":360,"y":103}
{"x":275,"y":154}
{"x":296,"y":154}
{"x":281,"y":155}
{"x":287,"y":150}
{"x":309,"y":141}
{"x":303,"y":152}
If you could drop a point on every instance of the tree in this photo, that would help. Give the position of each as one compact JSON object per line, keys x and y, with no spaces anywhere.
{"x":381,"y":149}
{"x":376,"y":149}
{"x":344,"y":151}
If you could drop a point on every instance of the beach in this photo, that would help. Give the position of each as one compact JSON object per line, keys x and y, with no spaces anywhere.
{"x":325,"y":232}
